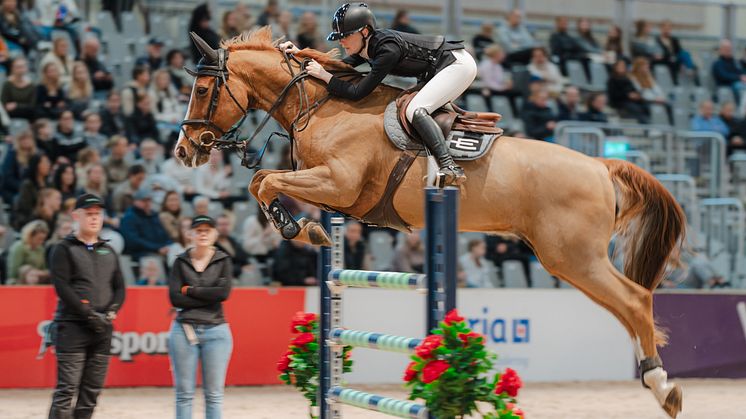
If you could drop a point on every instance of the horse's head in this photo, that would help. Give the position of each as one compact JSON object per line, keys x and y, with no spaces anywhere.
{"x":218,"y":101}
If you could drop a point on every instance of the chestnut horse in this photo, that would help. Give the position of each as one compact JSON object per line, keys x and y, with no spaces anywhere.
{"x":564,"y":204}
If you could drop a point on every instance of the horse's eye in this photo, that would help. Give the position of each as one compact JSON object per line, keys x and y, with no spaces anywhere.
{"x":202,"y":91}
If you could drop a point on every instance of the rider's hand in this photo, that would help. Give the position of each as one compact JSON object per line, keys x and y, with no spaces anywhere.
{"x":289,"y":47}
{"x":315,"y":69}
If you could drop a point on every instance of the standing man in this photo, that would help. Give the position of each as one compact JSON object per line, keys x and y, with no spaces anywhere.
{"x":90,"y":290}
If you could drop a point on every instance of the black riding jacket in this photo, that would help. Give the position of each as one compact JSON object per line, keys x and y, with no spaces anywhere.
{"x":203,"y":302}
{"x":399,"y":54}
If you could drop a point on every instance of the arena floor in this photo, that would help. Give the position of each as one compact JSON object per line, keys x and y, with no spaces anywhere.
{"x":703,"y":399}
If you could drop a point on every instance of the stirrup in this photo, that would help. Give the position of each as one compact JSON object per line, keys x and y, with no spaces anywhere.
{"x":450,"y":175}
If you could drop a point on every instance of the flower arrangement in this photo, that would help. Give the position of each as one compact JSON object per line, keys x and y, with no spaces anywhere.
{"x":299,"y":365}
{"x":450,"y":372}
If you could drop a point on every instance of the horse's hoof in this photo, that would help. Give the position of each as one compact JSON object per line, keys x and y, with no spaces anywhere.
{"x":318,"y":235}
{"x":674,"y":400}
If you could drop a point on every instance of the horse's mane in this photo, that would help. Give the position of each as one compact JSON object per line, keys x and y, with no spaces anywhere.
{"x":261,"y":40}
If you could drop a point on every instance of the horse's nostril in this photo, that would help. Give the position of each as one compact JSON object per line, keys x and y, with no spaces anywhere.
{"x":180,"y":152}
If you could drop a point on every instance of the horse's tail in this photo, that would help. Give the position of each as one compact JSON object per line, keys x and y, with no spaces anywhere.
{"x":649,"y":221}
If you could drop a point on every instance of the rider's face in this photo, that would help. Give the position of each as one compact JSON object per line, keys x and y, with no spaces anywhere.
{"x":352,"y":43}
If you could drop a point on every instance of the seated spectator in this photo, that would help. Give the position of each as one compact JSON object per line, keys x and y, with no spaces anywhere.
{"x":43,"y":135}
{"x":60,"y":56}
{"x":402,"y":23}
{"x":644,"y":82}
{"x":568,"y":105}
{"x":150,"y":157}
{"x":282,"y":27}
{"x":624,"y":97}
{"x":51,"y":99}
{"x":409,"y":255}
{"x":122,"y":196}
{"x":538,"y":117}
{"x":201,"y":205}
{"x":95,"y":182}
{"x":113,"y":121}
{"x":228,"y":244}
{"x":706,"y":120}
{"x":80,"y":92}
{"x":477,"y":270}
{"x":181,"y":80}
{"x":182,"y":243}
{"x":92,"y":133}
{"x":151,"y":274}
{"x":674,"y":56}
{"x":15,"y":27}
{"x":60,"y":15}
{"x":100,"y":76}
{"x":136,"y":88}
{"x":18,"y":92}
{"x":35,"y":179}
{"x":213,"y":179}
{"x":244,"y":21}
{"x":154,"y":57}
{"x":644,"y":44}
{"x":355,"y":250}
{"x":269,"y":13}
{"x":200,"y":23}
{"x":295,"y":264}
{"x":613,"y":50}
{"x":142,"y":230}
{"x":483,"y":39}
{"x":48,"y":207}
{"x":563,"y":45}
{"x":726,"y":70}
{"x":308,"y":36}
{"x":63,"y":228}
{"x":516,"y":39}
{"x":496,"y":78}
{"x":116,"y":163}
{"x":26,"y":257}
{"x":171,"y":214}
{"x":546,"y":71}
{"x":66,"y":142}
{"x":736,"y":128}
{"x":182,"y":175}
{"x":66,"y":182}
{"x":504,"y":248}
{"x":596,"y":108}
{"x":229,"y":28}
{"x":260,"y":238}
{"x":141,"y":124}
{"x":169,"y":110}
{"x":15,"y":163}
{"x":587,"y":43}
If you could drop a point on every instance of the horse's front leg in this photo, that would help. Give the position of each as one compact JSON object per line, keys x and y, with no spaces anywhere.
{"x":314,"y":185}
{"x":273,"y":209}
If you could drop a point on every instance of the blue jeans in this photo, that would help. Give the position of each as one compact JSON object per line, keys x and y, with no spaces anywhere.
{"x":213,"y":351}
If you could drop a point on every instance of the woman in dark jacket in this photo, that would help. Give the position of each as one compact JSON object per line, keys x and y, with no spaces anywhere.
{"x":36,"y":179}
{"x":624,"y":97}
{"x":200,"y":24}
{"x":200,"y":281}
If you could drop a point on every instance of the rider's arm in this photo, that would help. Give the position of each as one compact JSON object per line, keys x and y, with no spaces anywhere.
{"x":386,"y":58}
{"x":353,"y":60}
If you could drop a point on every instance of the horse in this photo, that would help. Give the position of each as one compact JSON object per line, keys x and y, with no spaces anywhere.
{"x":565,"y":205}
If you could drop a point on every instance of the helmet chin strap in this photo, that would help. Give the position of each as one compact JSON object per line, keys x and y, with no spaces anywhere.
{"x":365,"y":41}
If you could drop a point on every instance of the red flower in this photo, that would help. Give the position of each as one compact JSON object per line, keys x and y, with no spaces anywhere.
{"x":471,"y":335}
{"x":303,"y":339}
{"x":301,"y":319}
{"x":519,"y":413}
{"x":434,"y":370}
{"x":410,"y":373}
{"x":284,"y":362}
{"x":453,"y":317}
{"x":425,"y":349}
{"x":509,"y":383}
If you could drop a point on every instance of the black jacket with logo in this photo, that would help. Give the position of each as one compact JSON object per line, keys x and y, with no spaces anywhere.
{"x":85,"y":278}
{"x":203,"y":302}
{"x":399,"y":54}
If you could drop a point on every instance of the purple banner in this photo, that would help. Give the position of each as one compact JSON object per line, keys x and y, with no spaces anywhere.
{"x":707,"y":334}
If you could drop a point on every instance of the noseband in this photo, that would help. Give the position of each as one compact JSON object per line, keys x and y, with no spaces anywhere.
{"x":230,"y":139}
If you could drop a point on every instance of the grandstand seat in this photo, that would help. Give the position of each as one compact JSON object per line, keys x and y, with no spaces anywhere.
{"x":599,"y":76}
{"x":512,"y":273}
{"x":662,"y":75}
{"x":540,"y":278}
{"x":681,"y":119}
{"x":381,"y":248}
{"x":576,"y":74}
{"x":17,"y":125}
{"x":187,"y":209}
{"x":659,"y":114}
{"x":132,"y":27}
{"x":215,"y":209}
{"x":700,"y":94}
{"x":725,"y":95}
{"x":128,"y":272}
{"x":475,"y":103}
{"x":105,"y":23}
{"x":242,"y":211}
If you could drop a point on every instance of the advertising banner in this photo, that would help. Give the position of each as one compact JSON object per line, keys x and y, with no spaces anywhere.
{"x":707,"y":334}
{"x":259,"y":319}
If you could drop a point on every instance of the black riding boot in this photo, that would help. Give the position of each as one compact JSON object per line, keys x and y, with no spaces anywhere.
{"x":432,"y":136}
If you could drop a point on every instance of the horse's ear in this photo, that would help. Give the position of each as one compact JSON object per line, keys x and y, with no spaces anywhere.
{"x":210,"y":55}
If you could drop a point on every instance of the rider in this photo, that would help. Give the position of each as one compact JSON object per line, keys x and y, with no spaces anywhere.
{"x":445,"y":67}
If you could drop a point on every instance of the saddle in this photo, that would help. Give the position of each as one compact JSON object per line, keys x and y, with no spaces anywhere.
{"x":469,"y":135}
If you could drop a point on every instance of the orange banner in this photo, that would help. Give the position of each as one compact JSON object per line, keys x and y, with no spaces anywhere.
{"x":259,"y":318}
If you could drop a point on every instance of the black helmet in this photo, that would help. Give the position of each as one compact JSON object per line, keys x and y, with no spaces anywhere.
{"x":350,"y":18}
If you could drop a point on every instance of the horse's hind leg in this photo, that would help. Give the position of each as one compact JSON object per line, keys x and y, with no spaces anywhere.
{"x":580,"y":258}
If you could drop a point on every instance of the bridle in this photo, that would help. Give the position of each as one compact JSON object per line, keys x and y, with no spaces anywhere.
{"x":230,"y":139}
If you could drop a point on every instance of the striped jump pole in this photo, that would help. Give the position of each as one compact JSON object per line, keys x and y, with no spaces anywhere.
{"x":439,"y":280}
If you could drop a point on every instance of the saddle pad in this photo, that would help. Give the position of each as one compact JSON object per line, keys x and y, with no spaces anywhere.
{"x":461,"y":145}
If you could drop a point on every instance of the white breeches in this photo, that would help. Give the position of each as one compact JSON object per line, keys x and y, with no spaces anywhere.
{"x":445,"y":86}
